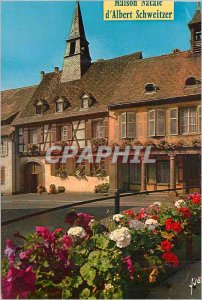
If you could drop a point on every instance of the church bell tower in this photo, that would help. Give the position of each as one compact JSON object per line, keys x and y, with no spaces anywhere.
{"x":195,"y":28}
{"x":77,"y":58}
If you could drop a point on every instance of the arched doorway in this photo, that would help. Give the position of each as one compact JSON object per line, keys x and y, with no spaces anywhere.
{"x":33,"y":177}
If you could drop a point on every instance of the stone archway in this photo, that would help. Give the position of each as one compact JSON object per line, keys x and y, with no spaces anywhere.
{"x":32,"y":175}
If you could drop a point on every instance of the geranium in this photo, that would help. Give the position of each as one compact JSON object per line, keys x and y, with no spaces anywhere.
{"x":71,"y":217}
{"x":180,"y":203}
{"x":10,"y":250}
{"x":143,"y":214}
{"x":196,"y":199}
{"x":118,"y":217}
{"x":157,"y":204}
{"x":151,"y":224}
{"x":76,"y":232}
{"x":84,"y":219}
{"x":26,"y":254}
{"x":66,"y":241}
{"x":129,"y":213}
{"x":129,"y":265}
{"x":175,"y":226}
{"x":185,"y":212}
{"x":166,"y":245}
{"x":121,"y":236}
{"x":171,"y":258}
{"x":18,"y":283}
{"x":137,"y":225}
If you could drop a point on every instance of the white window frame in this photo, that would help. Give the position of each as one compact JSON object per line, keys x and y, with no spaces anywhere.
{"x":123,"y":122}
{"x":59,"y":106}
{"x":128,"y":123}
{"x":188,"y":116}
{"x":199,"y":118}
{"x":172,"y":118}
{"x":99,"y":128}
{"x":150,"y":120}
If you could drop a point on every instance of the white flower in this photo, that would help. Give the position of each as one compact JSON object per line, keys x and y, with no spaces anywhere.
{"x":151,"y":224}
{"x":157,"y":204}
{"x":108,"y":286}
{"x":76,"y":232}
{"x":121,"y":236}
{"x":137,"y":225}
{"x":118,"y":217}
{"x":180,"y":203}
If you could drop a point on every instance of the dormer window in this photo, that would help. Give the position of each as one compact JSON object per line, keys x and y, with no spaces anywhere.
{"x":59,"y":105}
{"x":39,"y":107}
{"x":85,"y":101}
{"x":191,"y":81}
{"x":150,"y":88}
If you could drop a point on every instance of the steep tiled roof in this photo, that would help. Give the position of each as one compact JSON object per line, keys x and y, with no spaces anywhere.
{"x":196,"y":18}
{"x":6,"y":130}
{"x":114,"y":81}
{"x":12,"y":101}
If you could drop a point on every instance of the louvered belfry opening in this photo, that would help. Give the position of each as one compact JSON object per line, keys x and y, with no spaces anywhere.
{"x":195,"y":28}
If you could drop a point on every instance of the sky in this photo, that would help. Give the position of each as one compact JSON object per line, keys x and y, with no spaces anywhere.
{"x":34,"y":35}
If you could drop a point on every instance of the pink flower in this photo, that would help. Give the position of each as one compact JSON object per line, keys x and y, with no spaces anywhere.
{"x":84,"y":219}
{"x":71,"y":217}
{"x":56,"y":231}
{"x":25,"y":254}
{"x":129,"y":265}
{"x":67,"y":241}
{"x":44,"y":233}
{"x":18,"y":283}
{"x":10,"y":250}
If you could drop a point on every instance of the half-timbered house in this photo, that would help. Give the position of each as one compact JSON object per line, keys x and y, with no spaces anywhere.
{"x":123,"y":100}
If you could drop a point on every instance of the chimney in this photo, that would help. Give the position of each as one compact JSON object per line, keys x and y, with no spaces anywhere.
{"x":57,"y":70}
{"x":42,"y":75}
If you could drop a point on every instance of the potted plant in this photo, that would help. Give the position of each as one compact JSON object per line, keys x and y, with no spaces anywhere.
{"x":99,"y":172}
{"x":32,"y":148}
{"x":40,"y":189}
{"x":62,"y":173}
{"x":52,"y":189}
{"x":80,"y":172}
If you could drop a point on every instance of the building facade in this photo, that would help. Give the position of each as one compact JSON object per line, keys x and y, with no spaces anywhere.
{"x":123,"y":101}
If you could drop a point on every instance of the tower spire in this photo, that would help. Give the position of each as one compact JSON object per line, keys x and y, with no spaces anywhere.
{"x":77,"y":58}
{"x":77,"y":28}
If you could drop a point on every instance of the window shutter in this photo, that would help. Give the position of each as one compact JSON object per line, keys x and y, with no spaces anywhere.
{"x":58,"y":133}
{"x":70,"y":166}
{"x":4,"y":148}
{"x":53,"y":133}
{"x":151,"y":124}
{"x":123,"y":125}
{"x":89,"y":129}
{"x":131,"y":125}
{"x":69,"y":132}
{"x":3,"y":175}
{"x":106,"y":127}
{"x":173,"y":121}
{"x":160,"y":122}
{"x":26,"y":136}
{"x":53,"y":169}
{"x":199,"y":119}
{"x":39,"y":135}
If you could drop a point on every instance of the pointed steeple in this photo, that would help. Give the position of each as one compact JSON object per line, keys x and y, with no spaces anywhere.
{"x":77,"y":28}
{"x":77,"y":58}
{"x":195,"y":28}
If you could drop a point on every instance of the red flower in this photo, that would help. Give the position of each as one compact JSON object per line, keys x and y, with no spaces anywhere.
{"x":129,"y":265}
{"x":171,"y":258}
{"x":185,"y":212}
{"x":129,"y":213}
{"x":67,"y":241}
{"x":84,"y":219}
{"x":18,"y":283}
{"x":166,"y":245}
{"x":196,"y":199}
{"x":175,"y":226}
{"x":169,"y":224}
